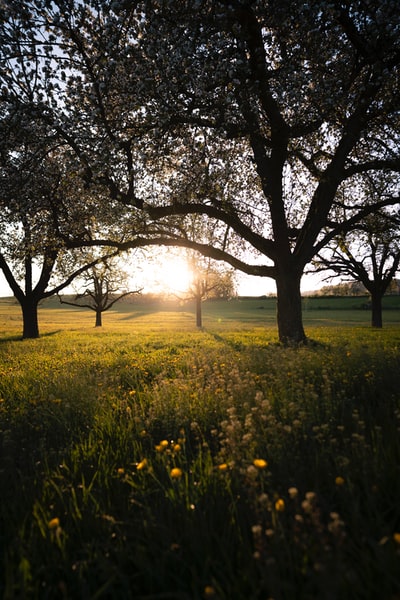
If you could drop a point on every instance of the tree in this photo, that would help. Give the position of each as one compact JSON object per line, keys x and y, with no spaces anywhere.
{"x":370,"y":254}
{"x":48,"y":210}
{"x":305,"y":92}
{"x":35,"y":206}
{"x":252,"y":113}
{"x":209,"y":281}
{"x":104,"y":285}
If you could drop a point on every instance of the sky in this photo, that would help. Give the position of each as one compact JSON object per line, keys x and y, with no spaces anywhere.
{"x":247,"y":285}
{"x":173,"y":274}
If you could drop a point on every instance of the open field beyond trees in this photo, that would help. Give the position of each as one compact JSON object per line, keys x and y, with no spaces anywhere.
{"x":148,"y":459}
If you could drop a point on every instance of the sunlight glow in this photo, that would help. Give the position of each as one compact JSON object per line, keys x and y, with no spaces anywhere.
{"x":168,"y":274}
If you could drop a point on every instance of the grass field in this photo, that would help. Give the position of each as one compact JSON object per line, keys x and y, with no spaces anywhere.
{"x":152,"y":460}
{"x":317,"y":311}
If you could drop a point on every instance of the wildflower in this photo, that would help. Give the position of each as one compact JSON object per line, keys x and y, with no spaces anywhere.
{"x":269,"y":532}
{"x":260,"y":463}
{"x":309,"y":502}
{"x":336,"y":525}
{"x":209,"y":591}
{"x":280,"y":505}
{"x":339,"y":480}
{"x":162,"y":445}
{"x":223,"y":467}
{"x":396,"y":537}
{"x":177,"y":448}
{"x":142,"y":465}
{"x":120,"y":471}
{"x":293,"y":492}
{"x":54,"y":523}
{"x":263,"y":499}
{"x":299,"y":518}
{"x":252,"y":471}
{"x":176,"y":473}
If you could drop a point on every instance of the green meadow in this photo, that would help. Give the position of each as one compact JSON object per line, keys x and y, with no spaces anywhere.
{"x":152,"y":460}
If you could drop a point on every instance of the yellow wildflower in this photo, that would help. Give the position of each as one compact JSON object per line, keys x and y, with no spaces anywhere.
{"x":120,"y":471}
{"x":280,"y":505}
{"x":209,"y":591}
{"x":142,"y":465}
{"x":260,"y":463}
{"x":396,"y":537}
{"x":54,"y":523}
{"x":162,"y":445}
{"x":223,"y":467}
{"x":339,"y":480}
{"x":177,"y":448}
{"x":176,"y":473}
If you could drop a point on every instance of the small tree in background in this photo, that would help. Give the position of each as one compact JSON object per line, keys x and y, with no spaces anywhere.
{"x":209,"y":281}
{"x":103,"y":286}
{"x":370,"y":255}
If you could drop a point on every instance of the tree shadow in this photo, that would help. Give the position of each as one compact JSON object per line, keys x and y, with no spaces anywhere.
{"x":19,"y":338}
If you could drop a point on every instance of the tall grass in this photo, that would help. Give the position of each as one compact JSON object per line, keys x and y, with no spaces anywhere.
{"x":151,"y":462}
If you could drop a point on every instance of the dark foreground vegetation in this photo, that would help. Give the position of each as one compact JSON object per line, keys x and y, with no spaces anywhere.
{"x":153,"y":460}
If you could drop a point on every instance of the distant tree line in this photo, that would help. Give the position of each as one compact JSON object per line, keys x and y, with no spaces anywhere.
{"x":354,"y":288}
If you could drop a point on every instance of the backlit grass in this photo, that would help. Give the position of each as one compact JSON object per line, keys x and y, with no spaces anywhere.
{"x":152,"y":460}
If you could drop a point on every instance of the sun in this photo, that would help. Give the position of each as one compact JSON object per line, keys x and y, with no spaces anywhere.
{"x":169,"y":274}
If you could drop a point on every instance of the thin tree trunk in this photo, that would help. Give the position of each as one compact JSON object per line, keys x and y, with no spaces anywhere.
{"x":29,"y":308}
{"x":376,"y":310}
{"x":98,"y":318}
{"x":199,"y":321}
{"x":289,"y":308}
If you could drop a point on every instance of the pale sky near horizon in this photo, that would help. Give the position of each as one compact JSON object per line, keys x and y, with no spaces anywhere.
{"x":247,"y":285}
{"x":168,"y":271}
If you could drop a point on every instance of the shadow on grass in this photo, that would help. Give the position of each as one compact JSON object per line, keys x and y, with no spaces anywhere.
{"x":19,"y":338}
{"x":310,"y":343}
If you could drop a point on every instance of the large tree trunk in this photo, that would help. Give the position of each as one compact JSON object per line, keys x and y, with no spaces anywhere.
{"x":376,"y":306}
{"x":98,"y":318}
{"x":29,"y":308}
{"x":289,"y":308}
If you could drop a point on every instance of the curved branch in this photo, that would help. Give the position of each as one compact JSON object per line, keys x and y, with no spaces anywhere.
{"x":76,"y":273}
{"x":258,"y":242}
{"x":216,"y":254}
{"x":373,"y":165}
{"x":182,"y":242}
{"x":352,"y":223}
